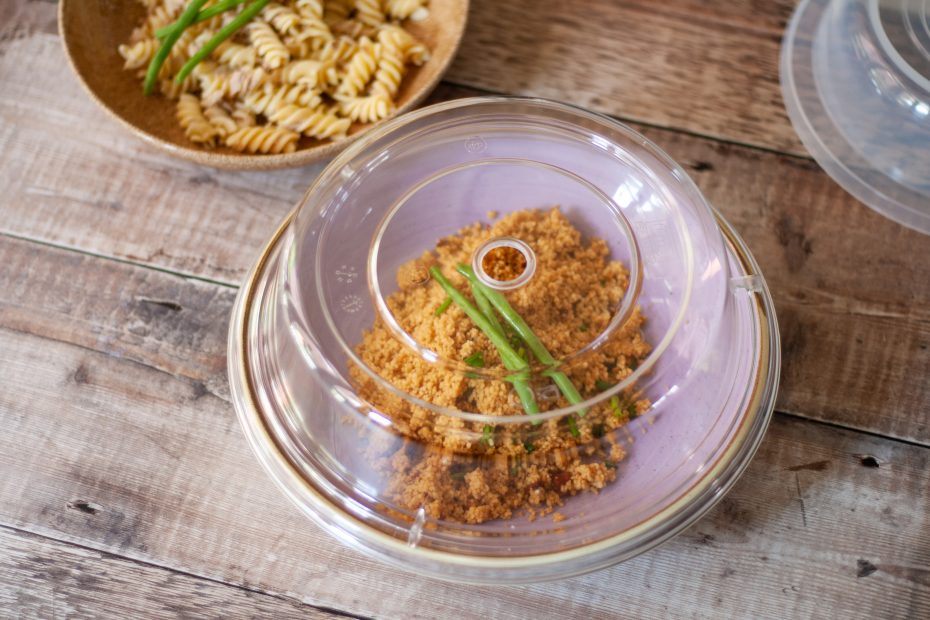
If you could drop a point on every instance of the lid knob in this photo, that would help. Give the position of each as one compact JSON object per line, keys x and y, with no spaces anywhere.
{"x":504,"y":263}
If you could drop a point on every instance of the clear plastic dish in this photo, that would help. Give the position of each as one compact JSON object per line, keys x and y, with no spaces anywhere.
{"x":707,"y":385}
{"x":855,"y":75}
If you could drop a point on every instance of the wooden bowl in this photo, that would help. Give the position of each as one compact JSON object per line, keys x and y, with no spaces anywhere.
{"x":92,"y":29}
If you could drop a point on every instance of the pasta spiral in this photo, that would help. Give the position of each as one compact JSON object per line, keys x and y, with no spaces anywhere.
{"x":359,"y":70}
{"x":282,"y":18}
{"x":369,"y":12}
{"x":390,"y":72}
{"x":315,"y":123}
{"x":367,"y":109}
{"x":222,"y":122}
{"x":263,"y":139}
{"x":310,"y":9}
{"x":235,"y":55}
{"x":339,"y":51}
{"x":138,"y":54}
{"x":402,"y":9}
{"x":268,"y":45}
{"x":243,"y":116}
{"x":312,"y":73}
{"x":196,"y":126}
{"x":414,"y":52}
{"x":271,"y":97}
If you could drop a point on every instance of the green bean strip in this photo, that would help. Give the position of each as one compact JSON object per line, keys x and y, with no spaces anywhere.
{"x":508,"y":355}
{"x":486,"y":309}
{"x":204,"y":15}
{"x":527,"y":398}
{"x":523,"y":330}
{"x":225,"y":32}
{"x":520,"y":386}
{"x":495,"y":333}
{"x":162,"y":54}
{"x":510,"y":315}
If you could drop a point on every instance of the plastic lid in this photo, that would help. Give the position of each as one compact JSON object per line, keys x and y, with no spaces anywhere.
{"x":395,"y":419}
{"x":855,"y":76}
{"x":459,"y":189}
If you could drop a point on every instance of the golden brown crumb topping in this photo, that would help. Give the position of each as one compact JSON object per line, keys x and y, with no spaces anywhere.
{"x":474,"y":472}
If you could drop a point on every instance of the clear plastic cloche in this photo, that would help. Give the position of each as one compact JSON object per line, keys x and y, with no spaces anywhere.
{"x":855,"y":75}
{"x":504,"y":340}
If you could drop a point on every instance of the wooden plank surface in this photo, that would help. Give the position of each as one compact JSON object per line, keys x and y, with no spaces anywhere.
{"x":44,"y":578}
{"x":706,"y":67}
{"x":171,"y":482}
{"x":854,"y":338}
{"x":122,"y":468}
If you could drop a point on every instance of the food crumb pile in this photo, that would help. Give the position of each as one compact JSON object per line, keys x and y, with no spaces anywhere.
{"x":472,"y":472}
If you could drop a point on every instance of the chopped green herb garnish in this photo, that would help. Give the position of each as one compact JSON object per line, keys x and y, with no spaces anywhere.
{"x":475,"y":360}
{"x":602,"y":386}
{"x":458,"y":470}
{"x":529,"y":447}
{"x":631,"y":410}
{"x":443,"y":306}
{"x":615,"y":405}
{"x":573,"y":426}
{"x":610,"y":465}
{"x":598,"y":431}
{"x":487,"y":435}
{"x":584,"y":327}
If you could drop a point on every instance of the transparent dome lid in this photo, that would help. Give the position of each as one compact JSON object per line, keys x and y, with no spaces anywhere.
{"x":855,"y":75}
{"x":504,"y":337}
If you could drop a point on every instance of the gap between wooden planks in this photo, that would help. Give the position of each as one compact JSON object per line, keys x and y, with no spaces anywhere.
{"x":793,"y":583}
{"x":47,"y":578}
{"x":112,"y":401}
{"x":852,"y":289}
{"x":710,"y":68}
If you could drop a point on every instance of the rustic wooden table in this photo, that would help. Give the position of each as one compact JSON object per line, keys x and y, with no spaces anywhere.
{"x":127,"y":488}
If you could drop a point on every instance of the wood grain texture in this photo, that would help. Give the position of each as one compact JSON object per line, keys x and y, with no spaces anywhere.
{"x":706,"y":67}
{"x":117,"y":432}
{"x":113,"y":445}
{"x":44,"y":578}
{"x":176,"y":325}
{"x":855,"y":339}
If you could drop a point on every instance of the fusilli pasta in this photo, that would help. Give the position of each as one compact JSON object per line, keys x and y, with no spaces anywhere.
{"x":263,"y":139}
{"x":309,"y":68}
{"x":266,"y":42}
{"x":367,"y":109}
{"x":222,"y":121}
{"x":402,"y":9}
{"x":359,"y":70}
{"x":196,"y":126}
{"x":282,"y":18}
{"x":316,"y":123}
{"x":369,"y":12}
{"x":138,"y":55}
